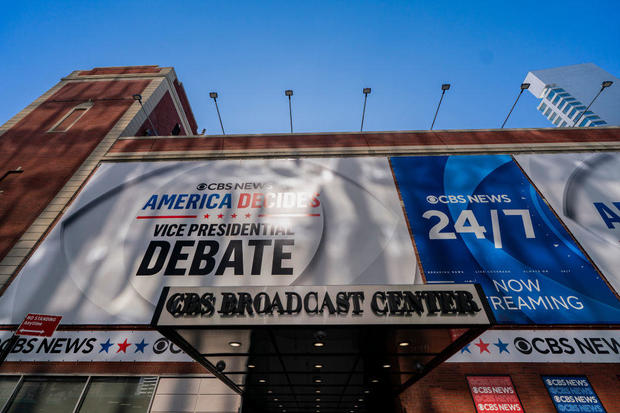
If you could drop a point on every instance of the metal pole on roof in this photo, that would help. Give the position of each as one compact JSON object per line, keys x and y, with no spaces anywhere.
{"x":444,"y":87}
{"x":213,"y":95}
{"x":604,"y":85}
{"x":365,"y":91}
{"x":523,"y":87}
{"x":138,"y":97}
{"x":289,"y":93}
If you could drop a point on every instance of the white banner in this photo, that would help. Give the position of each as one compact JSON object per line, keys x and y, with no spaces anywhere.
{"x":137,"y":227}
{"x":95,"y":346}
{"x":542,"y":346}
{"x":584,"y":189}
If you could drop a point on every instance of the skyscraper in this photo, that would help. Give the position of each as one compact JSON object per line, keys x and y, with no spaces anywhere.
{"x":566,"y":91}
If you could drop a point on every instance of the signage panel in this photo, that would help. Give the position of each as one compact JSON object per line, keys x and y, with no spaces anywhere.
{"x":542,"y":346}
{"x":478,"y":219}
{"x":41,"y":325}
{"x":584,"y":190}
{"x":316,"y":305}
{"x":494,"y":394}
{"x":137,"y":227}
{"x":98,"y":346}
{"x":572,"y":394}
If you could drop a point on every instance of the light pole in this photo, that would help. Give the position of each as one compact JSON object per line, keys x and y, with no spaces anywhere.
{"x":605,"y":84}
{"x":444,"y":87}
{"x":138,"y":97}
{"x":289,"y":93}
{"x":524,"y":86}
{"x":213,"y":95}
{"x":366,"y":92}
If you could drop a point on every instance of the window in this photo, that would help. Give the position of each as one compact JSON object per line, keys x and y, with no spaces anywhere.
{"x":552,"y":117}
{"x":557,"y":121}
{"x":563,"y":124}
{"x":65,"y":123}
{"x":556,"y":100}
{"x":572,"y":112}
{"x":548,"y":112}
{"x":118,"y":395}
{"x":59,"y":394}
{"x":550,"y":95}
{"x":176,"y":130}
{"x":599,"y":123}
{"x":542,"y":107}
{"x":7,"y":386}
{"x":583,"y":122}
{"x":47,"y":395}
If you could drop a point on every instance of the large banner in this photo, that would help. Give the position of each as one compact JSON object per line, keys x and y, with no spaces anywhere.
{"x":584,"y":189}
{"x":478,"y":219}
{"x":137,"y":227}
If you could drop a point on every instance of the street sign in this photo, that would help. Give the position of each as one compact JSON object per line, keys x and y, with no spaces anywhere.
{"x":40,"y":325}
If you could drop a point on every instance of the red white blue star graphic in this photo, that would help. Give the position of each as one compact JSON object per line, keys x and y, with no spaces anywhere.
{"x":484,"y":347}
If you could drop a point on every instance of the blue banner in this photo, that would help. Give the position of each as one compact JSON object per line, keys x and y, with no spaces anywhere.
{"x":478,"y":219}
{"x":572,"y":394}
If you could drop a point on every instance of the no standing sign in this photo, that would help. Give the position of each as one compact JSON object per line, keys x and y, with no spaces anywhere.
{"x":40,"y":325}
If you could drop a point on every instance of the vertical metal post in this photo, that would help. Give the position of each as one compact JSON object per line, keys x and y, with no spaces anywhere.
{"x":80,"y":400}
{"x":9,"y":347}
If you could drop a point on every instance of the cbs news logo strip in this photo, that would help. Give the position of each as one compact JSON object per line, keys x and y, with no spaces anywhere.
{"x":542,"y":346}
{"x":95,"y":346}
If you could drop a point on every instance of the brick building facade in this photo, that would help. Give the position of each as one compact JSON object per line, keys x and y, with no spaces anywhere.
{"x":51,"y":149}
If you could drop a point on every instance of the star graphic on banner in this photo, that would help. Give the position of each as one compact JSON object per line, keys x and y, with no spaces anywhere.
{"x":248,"y":215}
{"x":207,"y":216}
{"x":466,"y":349}
{"x":123,"y":346}
{"x":105,"y":346}
{"x":220,"y":216}
{"x":140,"y":346}
{"x":501,"y":346}
{"x":483,"y":346}
{"x":234,"y":215}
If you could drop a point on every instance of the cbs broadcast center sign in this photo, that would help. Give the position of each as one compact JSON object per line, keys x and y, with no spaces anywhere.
{"x":138,"y":227}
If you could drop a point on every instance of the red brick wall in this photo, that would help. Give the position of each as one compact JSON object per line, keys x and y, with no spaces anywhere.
{"x":120,"y":70}
{"x":445,"y":389}
{"x":164,"y":117}
{"x":374,"y":140}
{"x":50,"y":159}
{"x":186,"y":107}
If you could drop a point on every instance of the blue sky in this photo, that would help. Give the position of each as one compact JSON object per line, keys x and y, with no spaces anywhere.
{"x":327,"y":52}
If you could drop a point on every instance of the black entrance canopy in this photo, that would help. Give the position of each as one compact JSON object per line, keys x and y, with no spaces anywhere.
{"x":321,"y":349}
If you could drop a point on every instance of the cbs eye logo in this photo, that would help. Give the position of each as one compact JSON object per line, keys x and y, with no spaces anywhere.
{"x":523,"y":345}
{"x":201,"y":186}
{"x":163,"y":344}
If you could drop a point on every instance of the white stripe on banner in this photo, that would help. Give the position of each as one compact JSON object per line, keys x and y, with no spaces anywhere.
{"x":95,"y":346}
{"x":542,"y":346}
